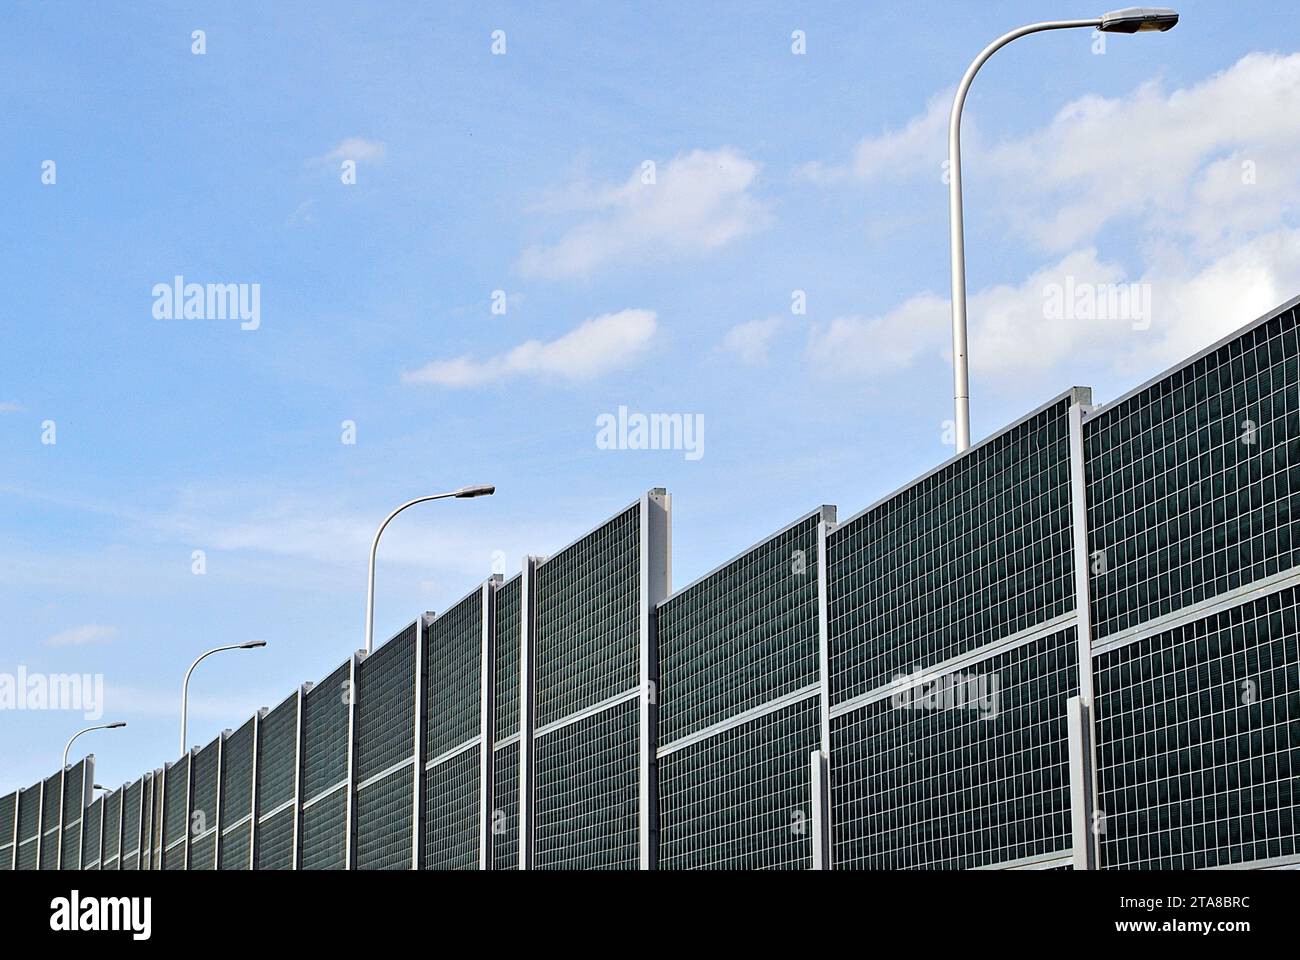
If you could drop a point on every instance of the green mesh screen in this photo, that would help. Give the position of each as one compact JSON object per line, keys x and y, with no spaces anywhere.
{"x":235,"y":847}
{"x":29,"y":826}
{"x":113,"y":829}
{"x":451,"y":813}
{"x":325,"y":734}
{"x":505,"y":807}
{"x":132,"y":825}
{"x":155,"y":845}
{"x":505,"y":680}
{"x":275,"y":841}
{"x":1194,"y":481}
{"x":1198,"y":740}
{"x":386,"y":705}
{"x":742,"y":636}
{"x":91,"y":835}
{"x":50,"y":822}
{"x":976,"y":551}
{"x":277,"y":756}
{"x":385,"y":822}
{"x":741,"y":799}
{"x":203,"y":852}
{"x":8,"y":821}
{"x":74,"y":799}
{"x":969,"y":770}
{"x":324,"y":832}
{"x":453,"y":693}
{"x":237,"y":778}
{"x":175,"y":801}
{"x":203,"y":808}
{"x":586,"y":792}
{"x":588,"y":598}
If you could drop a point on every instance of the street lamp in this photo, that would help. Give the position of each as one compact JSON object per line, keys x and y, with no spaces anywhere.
{"x":474,"y":490}
{"x":99,"y":726}
{"x":1128,"y":20}
{"x":185,"y":687}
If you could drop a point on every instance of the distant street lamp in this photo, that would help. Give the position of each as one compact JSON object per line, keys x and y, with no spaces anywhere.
{"x":1128,"y":20}
{"x":475,"y":490}
{"x":185,"y":687}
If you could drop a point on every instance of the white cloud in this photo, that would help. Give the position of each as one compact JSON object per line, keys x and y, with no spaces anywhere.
{"x":850,"y":346}
{"x":699,"y":202}
{"x":920,"y":146}
{"x":355,"y":148}
{"x":752,"y":340}
{"x":6,"y":407}
{"x":79,"y":636}
{"x":594,"y":347}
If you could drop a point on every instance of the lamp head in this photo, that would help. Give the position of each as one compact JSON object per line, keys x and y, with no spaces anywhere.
{"x":1139,"y":20}
{"x":252,"y":645}
{"x":476,"y":490}
{"x":115,"y":725}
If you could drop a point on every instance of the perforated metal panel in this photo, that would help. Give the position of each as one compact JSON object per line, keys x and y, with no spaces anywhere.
{"x":91,"y":835}
{"x":237,"y":798}
{"x":587,"y":784}
{"x":1198,"y":740}
{"x":175,"y":814}
{"x":29,"y":826}
{"x":324,"y":827}
{"x":203,"y":812}
{"x":8,"y":822}
{"x":277,"y":756}
{"x":51,"y":819}
{"x":155,"y":843}
{"x":506,"y":647}
{"x":975,"y":551}
{"x":132,"y":825}
{"x":384,"y":822}
{"x":235,"y":846}
{"x":74,"y":802}
{"x":505,"y":812}
{"x":113,"y":829}
{"x":1194,"y":480}
{"x":325,"y":772}
{"x":451,"y":811}
{"x":965,"y":770}
{"x":386,"y":738}
{"x":275,"y":841}
{"x":453,"y":677}
{"x":203,"y":852}
{"x":734,"y":647}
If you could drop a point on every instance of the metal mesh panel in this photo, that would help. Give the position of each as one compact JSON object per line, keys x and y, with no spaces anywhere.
{"x":1198,"y":740}
{"x":588,"y":603}
{"x":173,"y":857}
{"x":324,"y":833}
{"x":967,"y":770}
{"x":91,"y":834}
{"x":50,"y":821}
{"x":1193,"y":482}
{"x":74,"y":799}
{"x":973,"y":552}
{"x":384,"y":822}
{"x":155,"y":862}
{"x":586,"y":790}
{"x":203,"y":852}
{"x":143,"y":861}
{"x":203,"y":807}
{"x":237,"y":778}
{"x":453,"y":676}
{"x":275,"y":842}
{"x":277,"y":756}
{"x":325,"y":734}
{"x":505,"y":804}
{"x":131,"y":825}
{"x":8,"y":811}
{"x":386,"y":705}
{"x":741,"y":799}
{"x":451,"y":813}
{"x":505,"y":679}
{"x":175,"y":801}
{"x":742,"y":636}
{"x":113,"y":828}
{"x":234,"y":847}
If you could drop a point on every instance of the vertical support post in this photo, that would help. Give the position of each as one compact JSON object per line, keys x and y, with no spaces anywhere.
{"x":1083,"y":756}
{"x":656,"y":583}
{"x":189,"y":807}
{"x":13,"y":857}
{"x":487,"y":721}
{"x":418,"y":754}
{"x":819,"y":774}
{"x":299,"y":750}
{"x":147,"y":789}
{"x":87,"y":798}
{"x":349,"y":829}
{"x":253,"y":806}
{"x":103,"y":823}
{"x":527,"y":760}
{"x":40,"y":825}
{"x":63,"y":805}
{"x":218,"y":842}
{"x":821,"y":795}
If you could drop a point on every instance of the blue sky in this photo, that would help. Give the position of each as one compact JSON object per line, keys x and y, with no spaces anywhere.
{"x":1167,"y":161}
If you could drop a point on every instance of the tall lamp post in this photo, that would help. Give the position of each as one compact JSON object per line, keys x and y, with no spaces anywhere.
{"x":476,"y":490}
{"x":98,"y":726}
{"x":1128,"y":20}
{"x":185,"y":687}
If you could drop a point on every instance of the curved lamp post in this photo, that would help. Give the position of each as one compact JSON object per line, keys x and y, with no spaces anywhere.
{"x":185,"y":687}
{"x":98,"y":726}
{"x":1128,"y":20}
{"x":476,"y":490}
